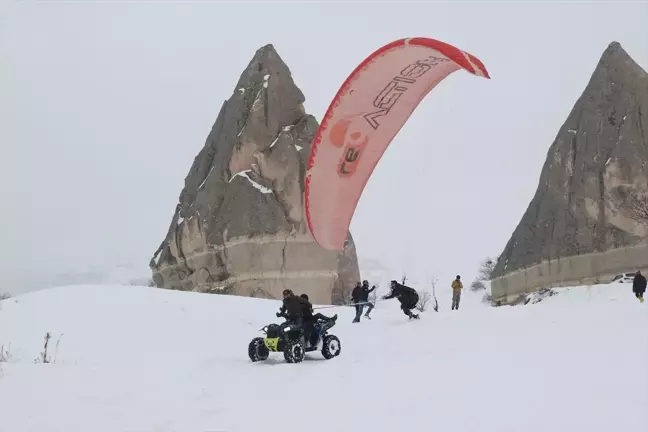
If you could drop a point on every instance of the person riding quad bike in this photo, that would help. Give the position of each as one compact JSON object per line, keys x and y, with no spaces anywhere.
{"x":298,"y":311}
{"x":408,"y":298}
{"x":310,"y":319}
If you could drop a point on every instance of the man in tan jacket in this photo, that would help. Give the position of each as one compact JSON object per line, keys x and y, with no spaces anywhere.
{"x":456,"y":292}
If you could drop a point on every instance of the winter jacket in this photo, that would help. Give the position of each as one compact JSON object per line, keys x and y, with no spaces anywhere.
{"x":356,"y":294}
{"x":295,"y":306}
{"x":364,"y":296}
{"x":639,"y":283}
{"x":456,"y":285}
{"x":402,"y":292}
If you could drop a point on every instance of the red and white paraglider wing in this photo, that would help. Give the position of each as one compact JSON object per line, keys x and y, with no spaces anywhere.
{"x":368,"y":111}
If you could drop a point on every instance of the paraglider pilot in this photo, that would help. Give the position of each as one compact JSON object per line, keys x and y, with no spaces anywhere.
{"x":408,"y":298}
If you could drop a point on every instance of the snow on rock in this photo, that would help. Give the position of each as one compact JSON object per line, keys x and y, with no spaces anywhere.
{"x":265,"y":79}
{"x":241,"y":89}
{"x":298,"y":147}
{"x":261,"y":188}
{"x":272,"y":144}
{"x":206,"y":177}
{"x":185,"y":366}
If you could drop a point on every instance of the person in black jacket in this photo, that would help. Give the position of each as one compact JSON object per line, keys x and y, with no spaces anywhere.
{"x":364,"y":299}
{"x":639,"y":286}
{"x":310,"y":319}
{"x":293,"y":307}
{"x":407,"y":296}
{"x":358,"y":298}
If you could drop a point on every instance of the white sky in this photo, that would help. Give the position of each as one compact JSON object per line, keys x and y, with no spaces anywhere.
{"x":104,"y":106}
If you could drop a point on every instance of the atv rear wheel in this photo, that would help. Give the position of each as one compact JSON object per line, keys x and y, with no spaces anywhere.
{"x":332,"y":347}
{"x":294,"y":352}
{"x":257,"y":351}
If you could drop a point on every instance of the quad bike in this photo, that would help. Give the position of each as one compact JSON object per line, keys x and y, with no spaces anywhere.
{"x":289,"y":339}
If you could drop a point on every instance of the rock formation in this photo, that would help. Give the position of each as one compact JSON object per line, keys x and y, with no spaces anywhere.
{"x":239,"y":227}
{"x":594,"y":182}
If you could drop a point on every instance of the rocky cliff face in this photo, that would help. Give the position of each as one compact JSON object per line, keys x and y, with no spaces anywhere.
{"x":240,"y":224}
{"x":594,"y":182}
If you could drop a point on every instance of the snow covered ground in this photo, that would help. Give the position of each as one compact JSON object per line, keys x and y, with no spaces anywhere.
{"x":141,"y":359}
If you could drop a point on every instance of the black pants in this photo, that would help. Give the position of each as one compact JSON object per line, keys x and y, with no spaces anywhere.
{"x":408,"y":303}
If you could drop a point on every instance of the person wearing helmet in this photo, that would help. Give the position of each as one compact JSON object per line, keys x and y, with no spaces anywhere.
{"x":456,"y":292}
{"x":408,"y":298}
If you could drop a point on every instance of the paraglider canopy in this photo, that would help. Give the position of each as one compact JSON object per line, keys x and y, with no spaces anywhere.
{"x":367,"y":112}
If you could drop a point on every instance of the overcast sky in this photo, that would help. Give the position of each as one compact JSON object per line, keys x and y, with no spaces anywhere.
{"x":103,"y":107}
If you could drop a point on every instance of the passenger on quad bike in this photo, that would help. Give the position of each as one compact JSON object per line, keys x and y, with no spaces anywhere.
{"x":310,"y":319}
{"x":408,"y":298}
{"x":293,"y":309}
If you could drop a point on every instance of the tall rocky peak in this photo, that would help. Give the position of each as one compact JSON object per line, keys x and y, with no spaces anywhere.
{"x":239,"y":226}
{"x":595,"y":174}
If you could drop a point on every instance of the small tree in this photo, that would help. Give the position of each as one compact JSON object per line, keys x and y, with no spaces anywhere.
{"x":486,"y":269}
{"x":433,"y":282}
{"x":5,"y":296}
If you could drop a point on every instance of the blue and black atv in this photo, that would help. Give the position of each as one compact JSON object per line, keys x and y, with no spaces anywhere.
{"x":290,"y":340}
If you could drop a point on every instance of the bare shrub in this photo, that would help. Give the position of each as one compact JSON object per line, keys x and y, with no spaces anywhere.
{"x":488,"y":299}
{"x":44,"y":358}
{"x":424,"y":298}
{"x":5,"y":296}
{"x":5,"y":354}
{"x":635,"y":203}
{"x":477,"y":285}
{"x":433,"y":282}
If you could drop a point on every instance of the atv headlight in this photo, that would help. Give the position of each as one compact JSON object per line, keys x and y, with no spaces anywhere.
{"x":287,"y":328}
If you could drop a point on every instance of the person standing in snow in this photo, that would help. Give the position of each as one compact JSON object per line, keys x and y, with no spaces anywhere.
{"x":360,"y":296}
{"x":457,"y":286}
{"x":639,"y":286}
{"x":356,"y":296}
{"x":408,"y":298}
{"x":365,"y":298}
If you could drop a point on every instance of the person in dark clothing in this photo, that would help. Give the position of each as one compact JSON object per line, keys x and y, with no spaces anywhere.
{"x":356,"y":295}
{"x":360,"y":296}
{"x":407,"y":296}
{"x":310,"y":319}
{"x":308,"y":314}
{"x":639,"y":286}
{"x":293,"y":308}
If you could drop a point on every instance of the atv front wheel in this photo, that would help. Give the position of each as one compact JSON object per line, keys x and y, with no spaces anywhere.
{"x":257,"y":351}
{"x":332,"y":347}
{"x":294,"y":352}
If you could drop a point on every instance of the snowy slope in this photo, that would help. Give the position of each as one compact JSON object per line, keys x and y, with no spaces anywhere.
{"x":141,"y":359}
